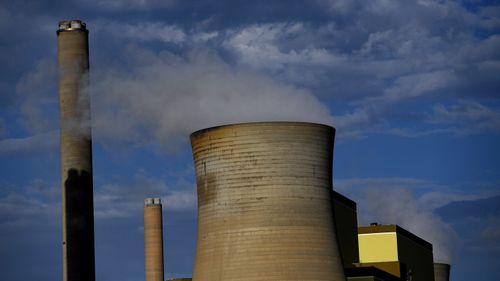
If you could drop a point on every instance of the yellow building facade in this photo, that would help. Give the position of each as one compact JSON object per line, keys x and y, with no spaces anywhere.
{"x":396,"y":251}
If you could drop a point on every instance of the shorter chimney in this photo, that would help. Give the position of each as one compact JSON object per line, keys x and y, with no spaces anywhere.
{"x":153,"y":239}
{"x":441,"y":272}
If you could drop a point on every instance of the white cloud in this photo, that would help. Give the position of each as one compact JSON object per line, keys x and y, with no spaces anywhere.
{"x":142,"y":31}
{"x":423,"y":50}
{"x":27,"y":206}
{"x":418,"y":84}
{"x":262,"y":46}
{"x":351,"y":185}
{"x":466,"y":118}
{"x":204,"y":36}
{"x":123,"y":200}
{"x":439,"y":198}
{"x":36,"y":92}
{"x":128,"y":5}
{"x":40,"y":143}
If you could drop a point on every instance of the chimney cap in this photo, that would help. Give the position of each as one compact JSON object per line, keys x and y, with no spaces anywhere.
{"x":70,"y":25}
{"x":152,"y":201}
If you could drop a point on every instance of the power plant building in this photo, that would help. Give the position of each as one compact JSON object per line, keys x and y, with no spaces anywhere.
{"x":346,"y":225}
{"x":396,"y":251}
{"x":266,"y":207}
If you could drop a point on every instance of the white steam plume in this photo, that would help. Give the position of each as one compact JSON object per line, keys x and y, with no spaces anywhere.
{"x":390,"y":201}
{"x":163,"y":97}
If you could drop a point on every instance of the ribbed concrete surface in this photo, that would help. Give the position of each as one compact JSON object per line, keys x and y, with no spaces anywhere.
{"x":264,"y":203}
{"x":153,"y":242}
{"x":441,"y":272}
{"x":76,"y":156}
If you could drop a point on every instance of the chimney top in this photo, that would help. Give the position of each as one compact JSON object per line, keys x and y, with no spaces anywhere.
{"x":68,"y":25}
{"x":152,"y":201}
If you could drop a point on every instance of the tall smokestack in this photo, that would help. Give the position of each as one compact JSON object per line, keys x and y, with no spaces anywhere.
{"x":441,"y":272}
{"x":153,"y":239}
{"x":264,"y":203}
{"x":76,"y":152}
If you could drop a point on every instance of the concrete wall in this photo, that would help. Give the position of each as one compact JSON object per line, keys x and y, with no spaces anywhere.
{"x":76,"y":153}
{"x":264,"y":203}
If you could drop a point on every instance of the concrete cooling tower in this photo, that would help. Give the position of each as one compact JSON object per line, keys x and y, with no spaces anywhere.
{"x":76,"y":152}
{"x":265,"y":203}
{"x":441,"y":272}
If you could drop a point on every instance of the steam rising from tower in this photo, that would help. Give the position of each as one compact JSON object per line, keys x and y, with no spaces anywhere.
{"x":76,"y":152}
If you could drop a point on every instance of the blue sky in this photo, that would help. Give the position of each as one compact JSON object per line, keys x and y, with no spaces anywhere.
{"x":412,"y":88}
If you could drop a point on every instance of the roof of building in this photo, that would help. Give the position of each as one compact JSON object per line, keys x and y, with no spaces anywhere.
{"x":344,"y":200}
{"x":381,"y":228}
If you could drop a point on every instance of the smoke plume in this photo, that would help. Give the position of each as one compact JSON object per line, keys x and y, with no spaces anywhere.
{"x":390,"y":201}
{"x":161,"y":98}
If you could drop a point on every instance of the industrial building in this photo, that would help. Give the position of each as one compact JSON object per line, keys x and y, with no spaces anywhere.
{"x":266,"y":207}
{"x":396,"y":251}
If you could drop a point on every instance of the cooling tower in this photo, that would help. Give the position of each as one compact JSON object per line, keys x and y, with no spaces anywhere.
{"x":264,"y":203}
{"x":441,"y":272}
{"x":76,"y":152}
{"x":153,"y":239}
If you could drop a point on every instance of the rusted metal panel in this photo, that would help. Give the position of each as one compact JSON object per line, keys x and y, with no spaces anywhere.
{"x":264,"y":203}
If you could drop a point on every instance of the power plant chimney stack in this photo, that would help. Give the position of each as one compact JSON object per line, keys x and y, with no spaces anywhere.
{"x":76,"y":152}
{"x":441,"y":272}
{"x":265,"y":203}
{"x":153,"y":239}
